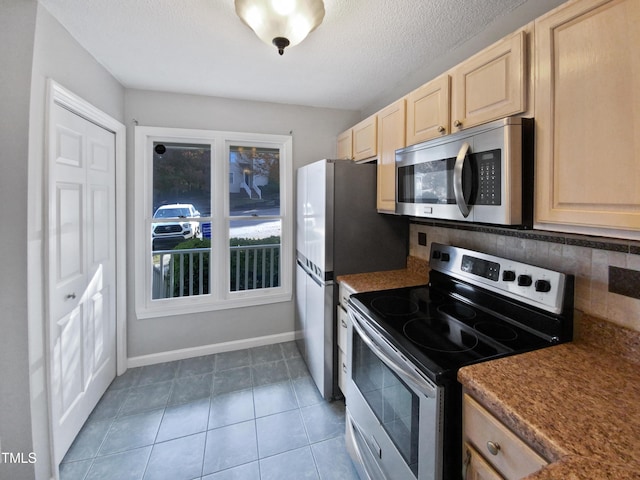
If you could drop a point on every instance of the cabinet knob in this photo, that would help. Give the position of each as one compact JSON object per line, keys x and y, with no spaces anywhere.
{"x":457,"y":124}
{"x":441,"y":129}
{"x":493,"y":447}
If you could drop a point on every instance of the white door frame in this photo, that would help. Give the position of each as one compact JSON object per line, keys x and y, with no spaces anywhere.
{"x":57,"y":94}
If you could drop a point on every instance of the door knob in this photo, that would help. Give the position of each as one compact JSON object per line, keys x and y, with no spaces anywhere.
{"x":70,"y":296}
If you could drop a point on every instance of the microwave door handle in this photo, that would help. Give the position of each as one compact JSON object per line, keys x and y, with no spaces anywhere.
{"x":457,"y":180}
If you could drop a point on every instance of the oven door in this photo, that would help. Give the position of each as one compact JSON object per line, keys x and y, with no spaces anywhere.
{"x":394,"y":413}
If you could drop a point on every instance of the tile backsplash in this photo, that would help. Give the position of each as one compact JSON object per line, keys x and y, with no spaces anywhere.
{"x":607,"y":273}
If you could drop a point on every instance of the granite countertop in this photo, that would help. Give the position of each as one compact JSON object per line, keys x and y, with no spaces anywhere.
{"x":576,"y":404}
{"x":415,"y":273}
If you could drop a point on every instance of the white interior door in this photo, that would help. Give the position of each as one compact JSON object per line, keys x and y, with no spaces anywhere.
{"x":82,"y":276}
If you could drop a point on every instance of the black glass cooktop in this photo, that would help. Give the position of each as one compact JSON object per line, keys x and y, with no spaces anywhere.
{"x":441,"y":333}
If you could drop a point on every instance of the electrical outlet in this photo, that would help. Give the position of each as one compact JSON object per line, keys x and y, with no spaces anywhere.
{"x":422,"y":239}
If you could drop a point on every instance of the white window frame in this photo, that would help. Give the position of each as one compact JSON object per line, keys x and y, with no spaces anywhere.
{"x":219,"y":297}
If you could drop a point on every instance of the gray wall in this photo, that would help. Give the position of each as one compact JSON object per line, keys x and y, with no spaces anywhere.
{"x":314,"y":133}
{"x":39,"y":48}
{"x":17,"y":27}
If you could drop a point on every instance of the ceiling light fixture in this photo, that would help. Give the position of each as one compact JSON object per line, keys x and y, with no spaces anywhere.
{"x":282,"y":23}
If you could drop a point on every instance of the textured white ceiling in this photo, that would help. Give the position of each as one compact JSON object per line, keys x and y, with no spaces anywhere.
{"x":362,"y":49}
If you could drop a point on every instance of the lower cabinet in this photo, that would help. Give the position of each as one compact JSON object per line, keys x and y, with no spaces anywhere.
{"x":490,"y":449}
{"x":342,"y":323}
{"x":341,"y":328}
{"x":476,"y":467}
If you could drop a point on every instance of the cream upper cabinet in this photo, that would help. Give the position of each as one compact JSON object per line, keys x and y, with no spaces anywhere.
{"x":491,"y":84}
{"x":428,"y":110}
{"x":587,"y":108}
{"x":345,"y":150}
{"x":391,"y":136}
{"x":365,"y":138}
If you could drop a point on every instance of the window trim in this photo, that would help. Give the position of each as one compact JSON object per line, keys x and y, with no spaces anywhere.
{"x":219,"y":298}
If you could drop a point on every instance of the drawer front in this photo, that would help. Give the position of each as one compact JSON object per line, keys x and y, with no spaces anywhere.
{"x":507,"y":453}
{"x":341,"y":328}
{"x":342,"y":372}
{"x":475,"y":467}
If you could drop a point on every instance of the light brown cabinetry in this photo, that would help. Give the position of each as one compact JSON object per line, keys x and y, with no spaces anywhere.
{"x":491,"y":450}
{"x":359,"y":142}
{"x":488,"y":86}
{"x":342,"y":325}
{"x":428,"y":111}
{"x":587,"y":110}
{"x":365,"y":138}
{"x":476,"y":468}
{"x":391,"y":136}
{"x":491,"y":84}
{"x":345,"y":145}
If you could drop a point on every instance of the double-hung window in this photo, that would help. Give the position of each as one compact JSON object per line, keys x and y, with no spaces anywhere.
{"x":213,"y":224}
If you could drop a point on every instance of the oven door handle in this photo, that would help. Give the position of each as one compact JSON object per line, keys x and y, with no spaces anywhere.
{"x":457,"y":179}
{"x":385,"y":352}
{"x":371,"y":469}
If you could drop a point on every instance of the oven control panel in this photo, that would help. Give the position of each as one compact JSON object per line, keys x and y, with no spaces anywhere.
{"x":527,"y":283}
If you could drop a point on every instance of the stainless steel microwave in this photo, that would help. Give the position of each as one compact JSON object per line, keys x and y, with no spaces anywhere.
{"x":483,"y":174}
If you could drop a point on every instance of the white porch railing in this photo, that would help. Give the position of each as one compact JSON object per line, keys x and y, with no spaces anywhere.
{"x":181,"y":273}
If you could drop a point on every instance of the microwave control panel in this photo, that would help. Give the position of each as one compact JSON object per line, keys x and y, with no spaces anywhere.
{"x":488,"y":165}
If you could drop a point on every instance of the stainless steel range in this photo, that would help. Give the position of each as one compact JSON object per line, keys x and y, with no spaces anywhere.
{"x":406,"y":346}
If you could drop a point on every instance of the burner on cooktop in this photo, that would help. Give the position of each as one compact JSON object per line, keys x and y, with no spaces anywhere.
{"x":457,"y":311}
{"x":394,"y":306}
{"x":497,"y":331}
{"x":450,"y":338}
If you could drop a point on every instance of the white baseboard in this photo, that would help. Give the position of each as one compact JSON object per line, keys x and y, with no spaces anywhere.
{"x":183,"y":353}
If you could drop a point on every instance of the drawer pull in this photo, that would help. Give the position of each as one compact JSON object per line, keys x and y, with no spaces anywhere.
{"x":493,"y":448}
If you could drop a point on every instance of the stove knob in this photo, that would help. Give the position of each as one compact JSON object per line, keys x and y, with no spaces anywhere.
{"x":508,"y":276}
{"x":436,"y":255}
{"x":524,"y":280}
{"x":543,"y":286}
{"x":445,"y":257}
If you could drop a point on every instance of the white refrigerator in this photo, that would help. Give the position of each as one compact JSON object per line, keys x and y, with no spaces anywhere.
{"x":338,"y":231}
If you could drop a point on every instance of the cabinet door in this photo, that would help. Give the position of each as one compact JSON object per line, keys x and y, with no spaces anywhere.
{"x":428,"y":110}
{"x":391,"y":135}
{"x":587,"y":115}
{"x":344,"y":147}
{"x":475,"y":467}
{"x":365,"y":139}
{"x":491,"y":84}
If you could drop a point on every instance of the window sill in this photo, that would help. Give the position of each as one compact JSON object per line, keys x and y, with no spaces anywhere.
{"x":169,"y":307}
